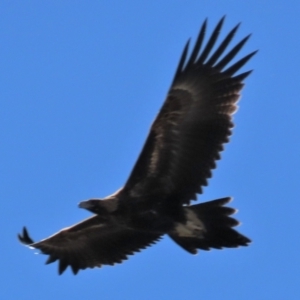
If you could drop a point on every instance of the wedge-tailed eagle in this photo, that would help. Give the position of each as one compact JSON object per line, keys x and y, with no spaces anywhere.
{"x":176,"y":161}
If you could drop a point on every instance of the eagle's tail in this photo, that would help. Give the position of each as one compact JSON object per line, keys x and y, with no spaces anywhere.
{"x":208,"y":225}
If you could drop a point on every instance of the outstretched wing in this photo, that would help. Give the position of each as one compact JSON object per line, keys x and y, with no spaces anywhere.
{"x":195,"y":121}
{"x":91,"y":243}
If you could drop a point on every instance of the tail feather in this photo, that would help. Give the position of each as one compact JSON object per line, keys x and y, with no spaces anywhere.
{"x":208,"y":225}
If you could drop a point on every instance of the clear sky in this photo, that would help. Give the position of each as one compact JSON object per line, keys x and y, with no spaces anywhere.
{"x":80,"y":84}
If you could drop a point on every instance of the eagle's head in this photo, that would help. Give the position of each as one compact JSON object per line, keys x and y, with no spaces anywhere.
{"x":99,"y":206}
{"x":93,"y":205}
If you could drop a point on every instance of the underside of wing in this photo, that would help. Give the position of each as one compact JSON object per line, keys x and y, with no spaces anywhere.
{"x":195,"y":121}
{"x":91,"y":243}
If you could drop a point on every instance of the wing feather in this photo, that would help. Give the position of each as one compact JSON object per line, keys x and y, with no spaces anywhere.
{"x":92,"y":243}
{"x":193,"y":124}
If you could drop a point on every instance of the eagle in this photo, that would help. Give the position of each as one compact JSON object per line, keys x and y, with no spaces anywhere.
{"x":177,"y":159}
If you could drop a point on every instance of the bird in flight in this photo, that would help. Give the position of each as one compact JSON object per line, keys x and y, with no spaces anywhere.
{"x":183,"y":145}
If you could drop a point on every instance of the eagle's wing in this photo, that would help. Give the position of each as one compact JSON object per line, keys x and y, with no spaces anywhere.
{"x":91,"y":243}
{"x":195,"y":121}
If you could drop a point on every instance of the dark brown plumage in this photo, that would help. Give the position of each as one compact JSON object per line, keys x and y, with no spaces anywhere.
{"x":182,"y":148}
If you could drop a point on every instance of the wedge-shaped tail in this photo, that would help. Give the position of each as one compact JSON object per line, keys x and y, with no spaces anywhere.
{"x":208,"y":225}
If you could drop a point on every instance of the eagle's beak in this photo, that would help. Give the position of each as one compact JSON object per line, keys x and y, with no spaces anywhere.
{"x":85,"y":204}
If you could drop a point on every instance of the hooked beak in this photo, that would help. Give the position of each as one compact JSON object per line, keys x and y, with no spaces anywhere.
{"x":85,"y":204}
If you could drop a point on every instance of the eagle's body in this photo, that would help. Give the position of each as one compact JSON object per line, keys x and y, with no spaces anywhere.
{"x":183,"y":145}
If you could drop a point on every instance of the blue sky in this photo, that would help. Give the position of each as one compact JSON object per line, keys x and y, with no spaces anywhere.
{"x":80,"y":84}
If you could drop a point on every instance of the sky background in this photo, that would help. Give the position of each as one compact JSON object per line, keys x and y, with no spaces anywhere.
{"x":80,"y":84}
